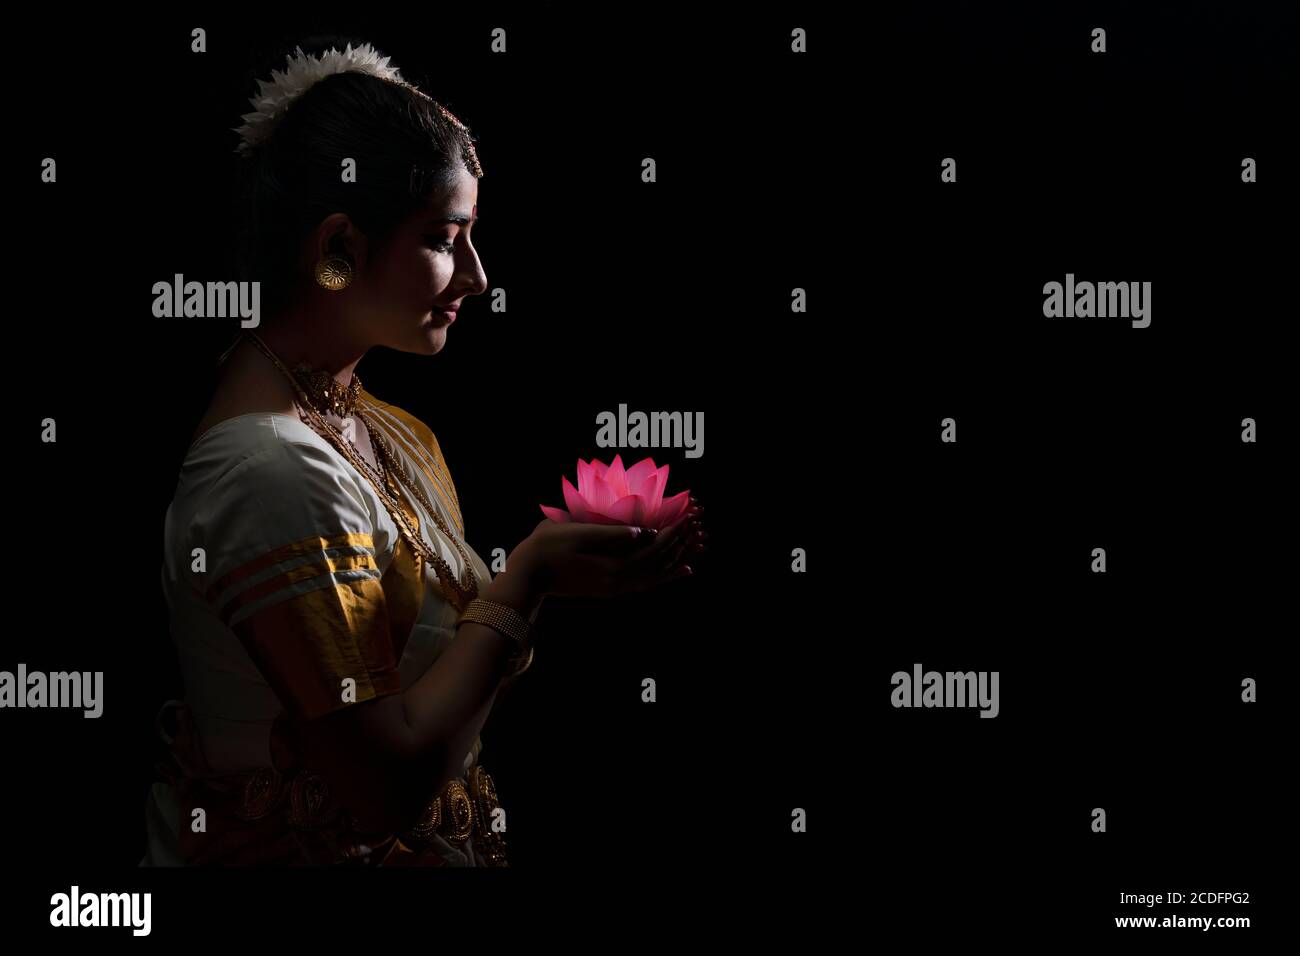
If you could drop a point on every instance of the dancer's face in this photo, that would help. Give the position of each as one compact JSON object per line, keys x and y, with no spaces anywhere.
{"x":428,"y":265}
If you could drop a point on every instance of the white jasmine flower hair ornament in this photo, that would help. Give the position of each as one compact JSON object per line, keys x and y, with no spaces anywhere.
{"x":301,"y":72}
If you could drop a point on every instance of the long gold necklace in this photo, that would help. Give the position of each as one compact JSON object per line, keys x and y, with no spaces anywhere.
{"x":390,"y":464}
{"x":464,"y":590}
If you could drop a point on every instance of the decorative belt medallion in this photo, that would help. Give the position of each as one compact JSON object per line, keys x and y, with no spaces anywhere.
{"x":449,"y":815}
{"x":262,"y":794}
{"x":309,"y":797}
{"x":429,"y":823}
{"x":490,"y":843}
{"x":460,"y":811}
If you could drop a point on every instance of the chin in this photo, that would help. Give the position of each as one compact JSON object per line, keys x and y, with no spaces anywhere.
{"x":433,"y":339}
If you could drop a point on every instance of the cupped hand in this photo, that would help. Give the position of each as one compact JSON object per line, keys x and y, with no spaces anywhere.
{"x":573,"y":559}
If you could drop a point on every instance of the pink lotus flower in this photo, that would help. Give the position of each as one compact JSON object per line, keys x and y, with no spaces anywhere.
{"x":606,"y":494}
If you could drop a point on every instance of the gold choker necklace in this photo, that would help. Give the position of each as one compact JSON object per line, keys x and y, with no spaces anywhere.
{"x":325,"y":392}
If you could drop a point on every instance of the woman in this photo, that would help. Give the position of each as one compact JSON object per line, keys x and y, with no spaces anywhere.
{"x":341,"y":643}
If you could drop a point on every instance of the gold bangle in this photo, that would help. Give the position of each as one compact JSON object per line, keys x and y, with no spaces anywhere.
{"x":520,"y":663}
{"x":502,"y":618}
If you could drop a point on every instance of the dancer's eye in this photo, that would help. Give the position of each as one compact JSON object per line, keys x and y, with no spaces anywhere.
{"x":438,"y":244}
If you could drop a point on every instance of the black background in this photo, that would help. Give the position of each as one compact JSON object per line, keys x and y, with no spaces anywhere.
{"x":775,"y":171}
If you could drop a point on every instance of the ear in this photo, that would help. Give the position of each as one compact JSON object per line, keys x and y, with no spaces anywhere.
{"x":337,"y":233}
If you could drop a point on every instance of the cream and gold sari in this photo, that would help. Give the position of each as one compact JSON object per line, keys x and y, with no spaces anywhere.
{"x":287,"y":580}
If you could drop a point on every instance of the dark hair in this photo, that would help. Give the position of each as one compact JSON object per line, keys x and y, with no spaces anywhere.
{"x":406,"y":147}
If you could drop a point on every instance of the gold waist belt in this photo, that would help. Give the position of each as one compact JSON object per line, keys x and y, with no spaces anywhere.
{"x":463,"y":810}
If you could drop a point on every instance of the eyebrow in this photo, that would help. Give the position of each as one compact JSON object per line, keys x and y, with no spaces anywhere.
{"x":453,"y":220}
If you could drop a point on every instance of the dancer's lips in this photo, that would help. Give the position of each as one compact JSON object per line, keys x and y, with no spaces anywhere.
{"x":443,"y":315}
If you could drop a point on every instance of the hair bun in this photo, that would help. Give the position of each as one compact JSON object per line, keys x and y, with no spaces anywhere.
{"x":302,"y":71}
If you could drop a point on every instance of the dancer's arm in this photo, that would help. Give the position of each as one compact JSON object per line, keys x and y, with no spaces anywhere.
{"x":387,"y":756}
